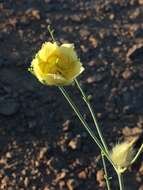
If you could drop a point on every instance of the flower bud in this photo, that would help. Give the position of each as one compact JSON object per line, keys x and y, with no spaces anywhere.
{"x":122,"y":155}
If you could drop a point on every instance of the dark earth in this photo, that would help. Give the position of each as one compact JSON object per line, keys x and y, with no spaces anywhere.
{"x":43,"y":146}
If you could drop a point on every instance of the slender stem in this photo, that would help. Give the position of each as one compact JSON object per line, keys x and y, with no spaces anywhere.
{"x":120,"y":179}
{"x":105,"y":172}
{"x":93,"y":116}
{"x":85,"y":124}
{"x":51,"y":31}
{"x":80,"y":116}
{"x":137,"y":154}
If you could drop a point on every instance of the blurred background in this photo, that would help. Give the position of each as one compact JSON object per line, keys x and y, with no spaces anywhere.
{"x":43,"y":146}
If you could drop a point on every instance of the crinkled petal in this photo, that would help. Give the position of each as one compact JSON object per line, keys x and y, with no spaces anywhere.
{"x":47,"y":50}
{"x":35,"y":70}
{"x":76,"y":70}
{"x":56,"y":80}
{"x":67,"y":52}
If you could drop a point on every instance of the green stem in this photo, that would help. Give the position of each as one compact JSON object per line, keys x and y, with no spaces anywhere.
{"x":120,"y":179}
{"x":137,"y":154}
{"x":85,"y":124}
{"x":105,"y":172}
{"x":51,"y":31}
{"x":93,"y":116}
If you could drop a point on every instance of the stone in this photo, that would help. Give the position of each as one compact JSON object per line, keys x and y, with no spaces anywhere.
{"x":82,"y":175}
{"x":84,"y":32}
{"x":140,"y":2}
{"x":135,"y":53}
{"x":100,"y":178}
{"x":127,"y":74}
{"x":71,"y":184}
{"x":93,"y":41}
{"x":75,"y":143}
{"x":75,"y":18}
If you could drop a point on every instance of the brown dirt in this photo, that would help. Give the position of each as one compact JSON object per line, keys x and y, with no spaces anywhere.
{"x":42,"y":144}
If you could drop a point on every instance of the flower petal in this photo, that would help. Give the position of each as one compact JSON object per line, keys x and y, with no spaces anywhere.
{"x":67,"y":51}
{"x":74,"y":71}
{"x":35,"y":70}
{"x":47,"y":50}
{"x":56,"y":80}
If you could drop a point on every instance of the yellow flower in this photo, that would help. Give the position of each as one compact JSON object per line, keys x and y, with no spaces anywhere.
{"x":56,"y":65}
{"x":122,"y":155}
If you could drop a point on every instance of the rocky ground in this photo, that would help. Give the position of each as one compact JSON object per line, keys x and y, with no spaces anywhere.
{"x":42,"y":144}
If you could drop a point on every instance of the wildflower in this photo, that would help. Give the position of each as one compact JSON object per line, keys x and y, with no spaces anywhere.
{"x":56,"y":65}
{"x":122,"y":155}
